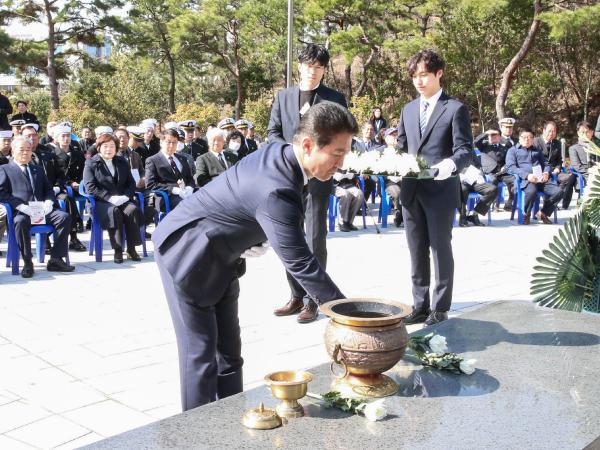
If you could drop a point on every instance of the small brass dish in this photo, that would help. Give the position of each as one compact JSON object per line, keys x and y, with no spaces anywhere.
{"x":289,"y":387}
{"x":261,"y":418}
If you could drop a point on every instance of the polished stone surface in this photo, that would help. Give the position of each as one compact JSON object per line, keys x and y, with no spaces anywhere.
{"x":535,"y":387}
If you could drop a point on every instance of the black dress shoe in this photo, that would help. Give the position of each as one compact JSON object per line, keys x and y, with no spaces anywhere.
{"x":294,"y":306}
{"x":118,"y":258}
{"x":462,"y":221}
{"x":76,"y":245}
{"x":48,"y":250}
{"x":352,"y":227}
{"x":309,"y":313}
{"x":79,"y":227}
{"x":436,"y":317}
{"x":417,"y":316}
{"x":147,"y":235}
{"x":345,"y":227}
{"x":398,"y":219}
{"x":27,"y":271}
{"x":88,"y":224}
{"x":58,"y":265}
{"x":133,"y":255}
{"x":474,"y":219}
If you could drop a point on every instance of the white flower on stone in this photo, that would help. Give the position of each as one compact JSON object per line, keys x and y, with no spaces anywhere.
{"x":468,"y":366}
{"x":375,"y":411}
{"x":438,"y":344}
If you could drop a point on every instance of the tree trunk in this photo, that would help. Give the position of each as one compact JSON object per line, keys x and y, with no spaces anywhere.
{"x":513,"y":65}
{"x":171,"y":63}
{"x":240,"y":96}
{"x":348,"y":78}
{"x":51,"y":59}
{"x":365,"y":78}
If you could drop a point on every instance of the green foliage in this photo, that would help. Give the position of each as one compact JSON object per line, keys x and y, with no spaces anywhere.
{"x":39,"y":102}
{"x":203,"y":114}
{"x":361,"y":108}
{"x":79,"y":113}
{"x":259,"y":112}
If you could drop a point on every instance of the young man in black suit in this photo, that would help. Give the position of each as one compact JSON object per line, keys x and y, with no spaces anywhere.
{"x":20,"y":183}
{"x":437,"y":128}
{"x":289,"y":106}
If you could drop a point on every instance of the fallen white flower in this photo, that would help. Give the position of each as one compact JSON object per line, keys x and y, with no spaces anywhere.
{"x":438,"y":344}
{"x":375,"y":411}
{"x":467,"y":366}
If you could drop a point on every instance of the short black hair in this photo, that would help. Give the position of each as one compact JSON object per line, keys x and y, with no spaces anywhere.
{"x":22,"y":101}
{"x":584,"y":123}
{"x":325,"y":120}
{"x":234,"y":134}
{"x":526,"y":130}
{"x":314,"y":53}
{"x":169,"y":132}
{"x":550,"y":122}
{"x":433,"y":62}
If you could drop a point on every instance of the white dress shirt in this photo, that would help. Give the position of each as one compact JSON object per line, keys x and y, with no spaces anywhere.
{"x":110,"y":165}
{"x":177,"y":163}
{"x":431,"y":104}
{"x":305,"y":178}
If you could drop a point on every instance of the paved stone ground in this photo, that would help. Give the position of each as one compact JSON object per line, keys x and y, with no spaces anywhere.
{"x":87,"y":355}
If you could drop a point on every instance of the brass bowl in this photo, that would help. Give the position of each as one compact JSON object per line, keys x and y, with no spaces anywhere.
{"x":289,"y":386}
{"x":365,"y":337}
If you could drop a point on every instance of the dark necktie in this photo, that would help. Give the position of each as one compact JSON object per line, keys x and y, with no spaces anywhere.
{"x":423,"y":118}
{"x":27,"y":174}
{"x":222,"y":160}
{"x":174,"y":167}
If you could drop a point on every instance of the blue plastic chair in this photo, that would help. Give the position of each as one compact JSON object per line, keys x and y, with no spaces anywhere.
{"x":80,"y":200}
{"x":519,"y":203}
{"x":334,"y":205}
{"x":13,"y":254}
{"x":97,"y":232}
{"x":581,"y":180}
{"x":167,"y":203}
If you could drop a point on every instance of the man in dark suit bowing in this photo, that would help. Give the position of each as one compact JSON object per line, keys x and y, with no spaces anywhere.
{"x":437,"y":128}
{"x":200,"y":246}
{"x":216,"y":160}
{"x":20,"y":183}
{"x":169,"y":171}
{"x":289,"y":106}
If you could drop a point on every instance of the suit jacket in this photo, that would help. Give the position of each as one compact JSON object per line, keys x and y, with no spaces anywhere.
{"x":5,"y":109}
{"x":252,"y":145}
{"x":15,"y":188}
{"x":147,"y":150}
{"x":200,"y":241}
{"x":160,"y":175}
{"x":552,"y":151}
{"x":520,"y":161}
{"x":447,"y":135}
{"x":101,"y":184}
{"x":134,"y":160}
{"x":46,"y":158}
{"x":26,"y":116}
{"x":285,"y":113}
{"x":208,"y":166}
{"x":493,"y":157}
{"x":70,"y":164}
{"x":579,"y":158}
{"x":195,"y":149}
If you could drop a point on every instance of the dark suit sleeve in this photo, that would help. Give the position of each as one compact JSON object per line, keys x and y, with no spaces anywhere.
{"x":92,"y":187}
{"x":202,"y":172}
{"x":48,"y":191}
{"x":402,"y":140}
{"x":342,"y":100}
{"x":478,"y":143}
{"x":129,"y":188}
{"x":275,"y":130}
{"x":280,"y":217}
{"x":511,"y":164}
{"x":462,"y":139}
{"x":152,"y":179}
{"x":6,"y":190}
{"x":576,"y":162}
{"x":597,"y":131}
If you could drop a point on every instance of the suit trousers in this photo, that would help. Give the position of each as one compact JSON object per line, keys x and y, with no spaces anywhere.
{"x":351,"y":200}
{"x":71,"y":206}
{"x":487,"y":191}
{"x":567,"y":182}
{"x":316,"y":202}
{"x":429,"y":225}
{"x":60,"y":220}
{"x":127,"y":215}
{"x":552,"y":195}
{"x":209,"y":344}
{"x":509,"y":181}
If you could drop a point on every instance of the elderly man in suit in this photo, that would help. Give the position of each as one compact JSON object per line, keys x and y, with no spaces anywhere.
{"x":289,"y":107}
{"x":20,"y":183}
{"x":522,"y":160}
{"x":168,"y":171}
{"x":216,"y":161}
{"x":578,"y":155}
{"x":437,"y":128}
{"x":200,"y":246}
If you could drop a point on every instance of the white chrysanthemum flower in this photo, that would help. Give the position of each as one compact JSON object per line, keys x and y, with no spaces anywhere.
{"x":467,"y":366}
{"x":438,"y":344}
{"x":375,"y":411}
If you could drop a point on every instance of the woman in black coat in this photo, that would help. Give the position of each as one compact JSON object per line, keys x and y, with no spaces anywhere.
{"x":377,"y":120}
{"x":108,"y":179}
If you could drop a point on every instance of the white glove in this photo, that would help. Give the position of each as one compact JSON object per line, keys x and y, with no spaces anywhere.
{"x":445,"y":168}
{"x":188,"y":190}
{"x":25,"y":209}
{"x":176,"y":191}
{"x":48,"y":205}
{"x":56,"y":190}
{"x":338,"y":176}
{"x":256,"y":251}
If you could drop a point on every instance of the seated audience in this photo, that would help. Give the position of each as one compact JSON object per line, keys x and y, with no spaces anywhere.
{"x":168,"y":171}
{"x":216,"y":161}
{"x":20,"y":183}
{"x":392,"y":183}
{"x":351,"y":199}
{"x":529,"y":163}
{"x":108,"y":179}
{"x":473,"y":180}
